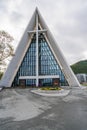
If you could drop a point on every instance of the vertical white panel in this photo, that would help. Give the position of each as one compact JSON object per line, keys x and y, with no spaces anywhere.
{"x":37,"y":49}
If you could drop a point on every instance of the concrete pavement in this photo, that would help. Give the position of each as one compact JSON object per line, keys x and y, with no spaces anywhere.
{"x":22,"y":110}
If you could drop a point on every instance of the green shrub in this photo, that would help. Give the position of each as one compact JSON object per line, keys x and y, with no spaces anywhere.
{"x":1,"y":74}
{"x":50,"y":88}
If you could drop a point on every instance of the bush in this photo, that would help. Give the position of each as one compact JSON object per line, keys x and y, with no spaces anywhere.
{"x":1,"y":74}
{"x":50,"y":88}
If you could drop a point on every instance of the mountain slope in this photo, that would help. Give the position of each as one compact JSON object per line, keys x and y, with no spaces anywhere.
{"x":80,"y":67}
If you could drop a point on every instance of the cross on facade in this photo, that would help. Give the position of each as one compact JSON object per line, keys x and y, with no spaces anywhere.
{"x":37,"y":31}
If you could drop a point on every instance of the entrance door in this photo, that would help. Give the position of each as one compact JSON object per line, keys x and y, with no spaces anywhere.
{"x":22,"y":82}
{"x":56,"y":82}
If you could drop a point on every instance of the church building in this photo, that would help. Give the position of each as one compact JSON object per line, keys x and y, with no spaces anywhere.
{"x":38,"y":60}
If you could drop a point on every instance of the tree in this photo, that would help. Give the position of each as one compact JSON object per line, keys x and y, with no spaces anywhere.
{"x":6,"y":49}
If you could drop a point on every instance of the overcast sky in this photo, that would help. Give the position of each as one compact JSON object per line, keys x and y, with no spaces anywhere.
{"x":67,"y":20}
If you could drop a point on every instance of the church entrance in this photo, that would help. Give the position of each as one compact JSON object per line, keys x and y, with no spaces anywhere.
{"x":22,"y":83}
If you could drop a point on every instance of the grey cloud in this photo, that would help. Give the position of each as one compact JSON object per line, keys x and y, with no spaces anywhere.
{"x":82,"y":21}
{"x":16,"y":17}
{"x":67,"y":19}
{"x":3,"y":4}
{"x":72,"y":34}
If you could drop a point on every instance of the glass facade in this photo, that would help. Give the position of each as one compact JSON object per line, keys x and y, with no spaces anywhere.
{"x":30,"y":82}
{"x":28,"y":65}
{"x":47,"y":64}
{"x":46,"y":82}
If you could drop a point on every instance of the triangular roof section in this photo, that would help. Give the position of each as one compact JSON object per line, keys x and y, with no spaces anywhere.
{"x":13,"y":67}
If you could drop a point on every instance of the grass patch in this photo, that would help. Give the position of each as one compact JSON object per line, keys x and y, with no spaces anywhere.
{"x":50,"y":88}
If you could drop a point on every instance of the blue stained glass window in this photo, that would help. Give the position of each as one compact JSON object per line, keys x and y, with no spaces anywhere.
{"x":46,"y":82}
{"x":30,"y":82}
{"x":28,"y":65}
{"x":47,"y":64}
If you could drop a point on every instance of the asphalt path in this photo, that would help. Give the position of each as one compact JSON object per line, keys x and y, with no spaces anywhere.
{"x":22,"y":110}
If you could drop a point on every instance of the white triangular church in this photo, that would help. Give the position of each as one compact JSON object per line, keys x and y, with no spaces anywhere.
{"x":38,"y":60}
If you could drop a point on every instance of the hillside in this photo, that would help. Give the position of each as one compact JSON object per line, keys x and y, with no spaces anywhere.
{"x":80,"y":67}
